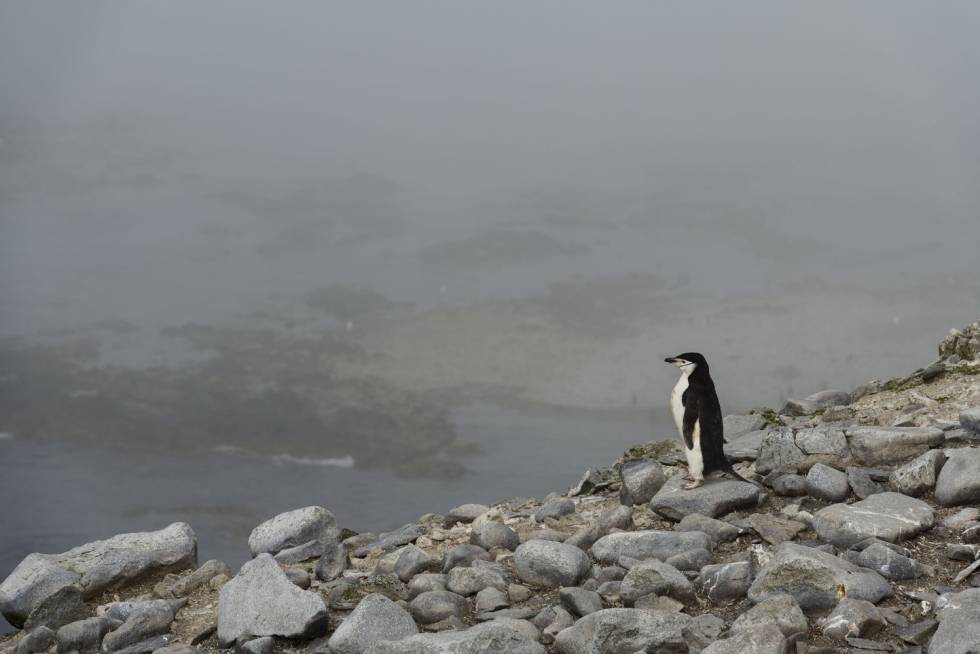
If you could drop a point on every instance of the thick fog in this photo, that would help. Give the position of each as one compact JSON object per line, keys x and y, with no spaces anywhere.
{"x":412,"y":237}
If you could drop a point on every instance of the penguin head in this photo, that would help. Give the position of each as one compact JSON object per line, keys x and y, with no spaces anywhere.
{"x":688,"y":362}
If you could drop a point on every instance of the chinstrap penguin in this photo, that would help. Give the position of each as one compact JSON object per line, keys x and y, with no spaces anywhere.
{"x":697,"y":414}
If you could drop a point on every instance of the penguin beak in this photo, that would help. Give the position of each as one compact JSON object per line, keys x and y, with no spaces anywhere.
{"x":672,"y":360}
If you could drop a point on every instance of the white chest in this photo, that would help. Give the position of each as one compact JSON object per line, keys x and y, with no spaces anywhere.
{"x":677,"y":403}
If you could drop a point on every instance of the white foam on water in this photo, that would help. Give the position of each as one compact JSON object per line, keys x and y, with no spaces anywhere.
{"x":343,"y":462}
{"x":6,"y":436}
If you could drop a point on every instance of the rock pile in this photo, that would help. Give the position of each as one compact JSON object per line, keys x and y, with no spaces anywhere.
{"x":862,"y":535}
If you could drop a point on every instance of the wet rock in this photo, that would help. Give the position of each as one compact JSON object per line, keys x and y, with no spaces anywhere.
{"x":862,"y":483}
{"x":464,"y":555}
{"x":64,"y":606}
{"x":784,"y":448}
{"x":490,"y":535}
{"x":491,"y":636}
{"x":640,"y":480}
{"x":918,"y":477}
{"x":264,"y":645}
{"x":414,"y":560}
{"x":465,"y":513}
{"x":261,"y":601}
{"x":375,"y":619}
{"x":970,"y":419}
{"x":745,"y":447}
{"x":95,"y":567}
{"x":789,"y":485}
{"x":773,"y":529}
{"x":83,"y":636}
{"x":624,"y":630}
{"x":959,"y":624}
{"x":554,"y":508}
{"x":332,"y":562}
{"x":580,"y":602}
{"x":548,"y":564}
{"x":852,"y":618}
{"x":39,"y":640}
{"x":470,"y":581}
{"x":649,"y":544}
{"x":490,"y":599}
{"x":312,"y":524}
{"x":657,"y":577}
{"x":761,"y":639}
{"x":144,"y":623}
{"x":958,"y":481}
{"x":826,"y":483}
{"x":813,"y":403}
{"x":716,"y":497}
{"x":726,"y":582}
{"x":886,"y":445}
{"x":436,"y":605}
{"x":691,"y":560}
{"x":779,"y":610}
{"x":888,"y":516}
{"x":717,"y":529}
{"x":814,"y":578}
{"x":889,"y":563}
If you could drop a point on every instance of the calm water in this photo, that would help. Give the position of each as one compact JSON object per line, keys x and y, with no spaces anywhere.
{"x":57,"y":496}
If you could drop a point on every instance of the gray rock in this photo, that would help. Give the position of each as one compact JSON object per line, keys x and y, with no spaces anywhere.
{"x":148,"y":646}
{"x":760,"y":639}
{"x":959,"y":624}
{"x":414,"y":560}
{"x":298,"y":576}
{"x":549,"y":564}
{"x":970,"y":419}
{"x":261,"y":601}
{"x":862,"y":483}
{"x":826,"y":483}
{"x":649,"y":544}
{"x":464,"y":555}
{"x":889,"y":516}
{"x":813,"y":403}
{"x":332,"y":562}
{"x":95,"y":567}
{"x":264,"y":645}
{"x":703,"y":630}
{"x":789,"y":485}
{"x":917,"y":633}
{"x":784,"y":448}
{"x":918,"y":477}
{"x":121,"y":611}
{"x":619,"y":518}
{"x":465,"y":513}
{"x":726,"y":582}
{"x":490,"y":534}
{"x":426,"y":582}
{"x":142,"y":624}
{"x":83,"y":636}
{"x":64,"y":606}
{"x":655,"y":576}
{"x":521,"y":625}
{"x":719,"y":530}
{"x":691,"y":560}
{"x":854,"y":618}
{"x":184,"y":586}
{"x":611,"y":631}
{"x":779,"y":610}
{"x":391,"y":540}
{"x":436,"y":605}
{"x":491,"y":599}
{"x":887,"y":445}
{"x":736,"y":425}
{"x":716,"y":497}
{"x":555,"y":508}
{"x":580,"y":602}
{"x":888,"y":563}
{"x":375,"y":619}
{"x":470,"y":581}
{"x":745,"y":447}
{"x":958,"y":481}
{"x":39,"y":640}
{"x":774,"y":529}
{"x":312,"y":524}
{"x":177,"y":648}
{"x":518,"y":593}
{"x":962,"y":552}
{"x":494,"y":636}
{"x":813,"y":578}
{"x":640,"y":480}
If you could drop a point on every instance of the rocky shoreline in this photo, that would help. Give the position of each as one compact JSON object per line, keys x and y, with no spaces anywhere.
{"x":863,"y":535}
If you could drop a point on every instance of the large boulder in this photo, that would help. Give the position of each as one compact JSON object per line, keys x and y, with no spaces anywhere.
{"x":874,"y":446}
{"x":959,"y":624}
{"x":815,"y":579}
{"x":959,"y":481}
{"x":716,"y":497}
{"x":612,"y":631}
{"x":375,"y":619}
{"x":889,"y":516}
{"x":550,"y":564}
{"x":261,"y":601}
{"x":493,"y":636}
{"x":785,"y":449}
{"x":649,"y":544}
{"x":95,"y":567}
{"x":306,"y":530}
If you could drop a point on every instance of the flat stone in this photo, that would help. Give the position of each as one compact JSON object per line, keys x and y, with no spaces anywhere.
{"x":555,"y":508}
{"x":773,"y":529}
{"x":746,"y":446}
{"x":470,"y":581}
{"x":861,"y":482}
{"x":725,"y":582}
{"x":640,"y":480}
{"x":737,"y":425}
{"x":719,"y":530}
{"x":648,"y":544}
{"x":391,"y":540}
{"x":465,"y":513}
{"x":826,"y":483}
{"x":889,"y":563}
{"x":580,"y":602}
{"x":970,"y":419}
{"x":691,"y":560}
{"x":493,"y":636}
{"x":889,"y":516}
{"x":887,"y":445}
{"x":95,"y":567}
{"x":813,"y":403}
{"x":959,"y":624}
{"x":760,"y":639}
{"x":918,"y":476}
{"x":852,"y":617}
{"x":958,"y":481}
{"x":779,"y":610}
{"x":917,"y":633}
{"x":375,"y":619}
{"x":261,"y":601}
{"x":716,"y":497}
{"x":799,"y":450}
{"x":813,"y":578}
{"x":549,"y":564}
{"x":436,"y":605}
{"x":624,"y":630}
{"x":312,"y":524}
{"x":491,"y":534}
{"x":655,"y":576}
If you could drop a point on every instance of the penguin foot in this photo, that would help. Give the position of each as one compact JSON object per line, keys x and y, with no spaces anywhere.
{"x":688,"y":477}
{"x":694,"y":484}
